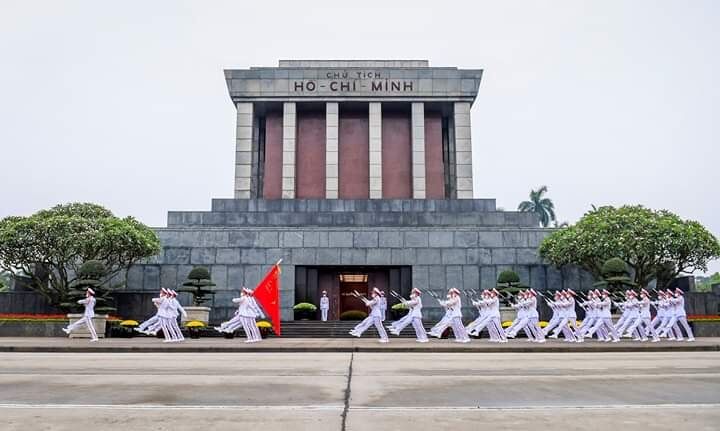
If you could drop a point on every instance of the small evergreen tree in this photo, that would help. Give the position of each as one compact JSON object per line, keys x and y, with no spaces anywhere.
{"x":92,"y":274}
{"x":197,"y":282}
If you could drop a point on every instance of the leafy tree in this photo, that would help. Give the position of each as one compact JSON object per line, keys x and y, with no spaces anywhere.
{"x":92,"y":274}
{"x":198,"y":279}
{"x":655,"y":244}
{"x":50,"y":246}
{"x":540,"y":205}
{"x":704,"y":284}
{"x":509,"y":282}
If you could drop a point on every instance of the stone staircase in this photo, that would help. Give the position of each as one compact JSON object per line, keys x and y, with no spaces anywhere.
{"x":333,"y":329}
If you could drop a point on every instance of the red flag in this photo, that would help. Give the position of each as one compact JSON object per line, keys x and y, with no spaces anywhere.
{"x":267,"y":293}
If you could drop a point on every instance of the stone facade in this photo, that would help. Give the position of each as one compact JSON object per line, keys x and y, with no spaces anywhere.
{"x":462,"y":243}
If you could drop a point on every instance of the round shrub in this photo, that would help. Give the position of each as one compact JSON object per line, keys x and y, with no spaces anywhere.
{"x":92,"y":269}
{"x":614,"y":266}
{"x":353,"y":315}
{"x":507,"y":277}
{"x":199,"y":273}
{"x":304,"y":306}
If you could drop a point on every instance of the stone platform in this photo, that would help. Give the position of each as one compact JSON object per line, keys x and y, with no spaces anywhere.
{"x":461,"y":243}
{"x":320,"y":345}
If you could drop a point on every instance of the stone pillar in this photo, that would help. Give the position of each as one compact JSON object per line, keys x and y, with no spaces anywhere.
{"x":463,"y":151}
{"x":418,"y":150}
{"x":243,"y":150}
{"x":331,"y":150}
{"x":288,"y":159}
{"x":375,"y":145}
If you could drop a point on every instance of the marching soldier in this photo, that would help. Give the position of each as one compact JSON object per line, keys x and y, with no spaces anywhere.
{"x":414,"y":316}
{"x":374,"y":317}
{"x":88,"y":314}
{"x":454,"y":305}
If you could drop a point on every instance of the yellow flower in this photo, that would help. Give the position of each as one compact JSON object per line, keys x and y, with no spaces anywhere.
{"x":129,"y":323}
{"x":263,"y":324}
{"x":543,"y":323}
{"x":506,"y":324}
{"x":194,"y":324}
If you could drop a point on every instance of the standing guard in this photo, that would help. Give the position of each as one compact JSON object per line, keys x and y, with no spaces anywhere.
{"x":324,"y":306}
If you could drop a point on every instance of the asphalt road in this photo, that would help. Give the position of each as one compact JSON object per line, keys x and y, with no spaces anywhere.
{"x":359,"y":391}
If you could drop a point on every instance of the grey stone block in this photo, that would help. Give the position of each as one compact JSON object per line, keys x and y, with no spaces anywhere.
{"x":135,"y":277}
{"x":243,"y":238}
{"x":453,"y":276}
{"x":428,"y":256}
{"x":503,"y":256}
{"x":527,"y":256}
{"x":267,"y":240}
{"x":488,"y":277}
{"x":416,"y":239}
{"x":471,"y":277}
{"x":303,"y":256}
{"x":478,"y":256}
{"x":311,"y":239}
{"x":323,"y":239}
{"x":351,"y":256}
{"x":365,"y":239}
{"x":202,"y":256}
{"x":151,"y":277}
{"x":219,"y":276}
{"x":178,"y":256}
{"x":554,"y":278}
{"x":524,"y":273}
{"x":390,"y":239}
{"x":466,"y":239}
{"x":436,"y":278}
{"x":230,"y":256}
{"x":235,"y":277}
{"x":490,"y":239}
{"x":513,"y":239}
{"x":453,"y":256}
{"x":403,"y":256}
{"x":291,"y":239}
{"x":378,"y":256}
{"x":571,"y":277}
{"x":328,"y":256}
{"x":253,"y":256}
{"x":538,"y":279}
{"x":420,"y":277}
{"x":253,"y":275}
{"x":272,"y":255}
{"x":340,"y":239}
{"x":441,"y":239}
{"x":168,"y":277}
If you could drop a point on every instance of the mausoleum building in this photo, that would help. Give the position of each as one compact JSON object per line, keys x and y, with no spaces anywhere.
{"x":357,"y":174}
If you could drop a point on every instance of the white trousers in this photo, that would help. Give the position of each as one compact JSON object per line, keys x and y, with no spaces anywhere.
{"x":564,"y":326}
{"x":232,"y":324}
{"x":250,"y":327}
{"x":600,"y":323}
{"x":674,"y":320}
{"x":87,"y":321}
{"x":399,"y":325}
{"x":458,"y":329}
{"x":369,"y":321}
{"x":323,"y":314}
{"x":148,"y":323}
{"x":551,"y":324}
{"x":440,"y":327}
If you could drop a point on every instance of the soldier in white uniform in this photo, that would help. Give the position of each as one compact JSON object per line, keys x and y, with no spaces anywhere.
{"x":604,"y":319}
{"x":454,"y":305}
{"x":383,"y":306}
{"x":555,"y":319}
{"x":678,"y":314}
{"x":414,"y":316}
{"x":153,"y":322}
{"x":88,"y":314}
{"x":245,"y":316}
{"x":568,"y":317}
{"x":177,"y":310}
{"x":443,"y":324}
{"x":374,"y":317}
{"x":324,"y":306}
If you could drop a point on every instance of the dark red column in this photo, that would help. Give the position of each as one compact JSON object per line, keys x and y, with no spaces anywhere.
{"x":353,"y":157}
{"x":310,"y":155}
{"x":396,"y":152}
{"x":272,"y":179}
{"x":434,"y":171}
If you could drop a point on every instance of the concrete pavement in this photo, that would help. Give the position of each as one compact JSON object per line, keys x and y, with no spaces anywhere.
{"x":321,"y":345}
{"x":359,"y":391}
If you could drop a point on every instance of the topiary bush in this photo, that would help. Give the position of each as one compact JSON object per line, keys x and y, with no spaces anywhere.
{"x":615,"y":275}
{"x":614,"y":267}
{"x":197,"y":281}
{"x":92,"y":274}
{"x":305,"y":306}
{"x":508,"y":277}
{"x":353,"y":315}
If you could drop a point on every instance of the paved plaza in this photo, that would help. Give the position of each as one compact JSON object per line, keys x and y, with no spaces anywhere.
{"x":359,"y":391}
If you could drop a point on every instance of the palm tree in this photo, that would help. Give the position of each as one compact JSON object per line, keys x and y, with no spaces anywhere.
{"x":543,"y":207}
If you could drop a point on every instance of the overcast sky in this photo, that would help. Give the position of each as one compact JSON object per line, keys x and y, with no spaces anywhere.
{"x":125,"y":103}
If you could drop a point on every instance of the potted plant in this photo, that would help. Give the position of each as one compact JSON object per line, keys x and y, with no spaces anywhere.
{"x":265,"y":327}
{"x":197,"y":284}
{"x":92,"y":275}
{"x":398,"y":310}
{"x":304,"y":311}
{"x":353,"y":315}
{"x":194,"y":328}
{"x":128,"y":328}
